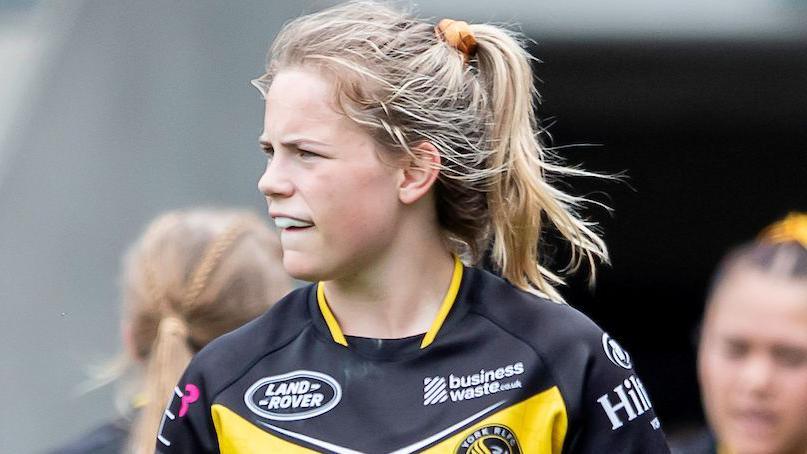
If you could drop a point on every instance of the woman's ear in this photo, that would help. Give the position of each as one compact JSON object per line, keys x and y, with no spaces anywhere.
{"x":419,"y":173}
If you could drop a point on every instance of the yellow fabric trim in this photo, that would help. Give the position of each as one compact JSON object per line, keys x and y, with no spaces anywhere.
{"x":237,"y":435}
{"x":722,"y":449}
{"x":330,"y":320}
{"x":538,"y":423}
{"x":448,"y":302}
{"x":139,"y":400}
{"x":791,"y":228}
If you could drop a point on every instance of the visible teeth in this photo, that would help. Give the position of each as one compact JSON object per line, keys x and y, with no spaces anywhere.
{"x":283,"y":223}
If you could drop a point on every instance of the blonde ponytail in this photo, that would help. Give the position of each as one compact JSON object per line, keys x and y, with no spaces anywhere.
{"x":519,"y":197}
{"x":169,"y":357}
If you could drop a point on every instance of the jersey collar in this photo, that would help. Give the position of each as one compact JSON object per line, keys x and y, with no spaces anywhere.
{"x":448,"y":302}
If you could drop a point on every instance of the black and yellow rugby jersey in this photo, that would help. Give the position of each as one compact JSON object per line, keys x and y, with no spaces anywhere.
{"x":499,"y":371}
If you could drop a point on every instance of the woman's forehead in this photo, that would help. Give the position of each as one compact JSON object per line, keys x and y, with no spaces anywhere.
{"x":300,"y":88}
{"x":748,"y":284}
{"x":754,"y":302}
{"x":300,"y":102}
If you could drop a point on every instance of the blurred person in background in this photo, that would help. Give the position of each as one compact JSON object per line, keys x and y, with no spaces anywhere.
{"x":752,"y":356}
{"x":191,"y":277}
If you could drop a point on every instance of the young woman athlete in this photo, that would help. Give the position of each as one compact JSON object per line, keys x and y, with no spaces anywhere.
{"x":752,"y":357}
{"x":396,"y":150}
{"x":192,"y":276}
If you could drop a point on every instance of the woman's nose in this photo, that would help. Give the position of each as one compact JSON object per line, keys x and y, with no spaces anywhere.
{"x":275,"y":181}
{"x":756,"y":375}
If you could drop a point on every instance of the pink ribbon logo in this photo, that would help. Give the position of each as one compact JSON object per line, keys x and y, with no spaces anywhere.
{"x":191,"y":396}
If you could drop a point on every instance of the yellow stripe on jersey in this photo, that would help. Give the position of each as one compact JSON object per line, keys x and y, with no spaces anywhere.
{"x":538,"y":424}
{"x":333,"y":325}
{"x":448,"y":302}
{"x":237,"y":435}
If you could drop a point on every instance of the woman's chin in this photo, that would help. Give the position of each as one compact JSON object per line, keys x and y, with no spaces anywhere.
{"x":301,"y":268}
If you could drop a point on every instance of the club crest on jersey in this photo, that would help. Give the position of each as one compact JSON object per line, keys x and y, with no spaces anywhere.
{"x":615,"y":353}
{"x":491,"y":439}
{"x":301,"y":394}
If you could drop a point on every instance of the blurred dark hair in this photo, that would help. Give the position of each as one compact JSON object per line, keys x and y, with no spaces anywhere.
{"x":782,"y":259}
{"x":780,"y":250}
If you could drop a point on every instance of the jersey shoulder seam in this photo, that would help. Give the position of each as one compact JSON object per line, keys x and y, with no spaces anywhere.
{"x":257,"y":358}
{"x":529,"y":344}
{"x":550,"y":366}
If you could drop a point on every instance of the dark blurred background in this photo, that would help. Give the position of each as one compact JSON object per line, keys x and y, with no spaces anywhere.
{"x":713,"y":138}
{"x":113,"y":111}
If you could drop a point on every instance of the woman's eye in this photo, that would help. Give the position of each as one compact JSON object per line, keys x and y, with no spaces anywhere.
{"x":735,"y":349}
{"x":269,"y":152}
{"x":790,"y":357}
{"x":307,"y":155}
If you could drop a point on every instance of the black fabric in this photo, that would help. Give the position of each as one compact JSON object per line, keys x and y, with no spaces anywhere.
{"x":702,"y":442}
{"x":494,"y":333}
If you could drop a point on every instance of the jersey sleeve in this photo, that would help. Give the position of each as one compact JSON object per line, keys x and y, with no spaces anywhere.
{"x":186,"y":425}
{"x":616,"y":414}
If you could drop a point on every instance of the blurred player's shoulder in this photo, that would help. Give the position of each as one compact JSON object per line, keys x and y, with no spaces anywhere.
{"x":109,"y":438}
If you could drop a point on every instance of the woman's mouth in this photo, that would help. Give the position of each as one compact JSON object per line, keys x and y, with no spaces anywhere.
{"x":291,"y":224}
{"x":755,"y":421}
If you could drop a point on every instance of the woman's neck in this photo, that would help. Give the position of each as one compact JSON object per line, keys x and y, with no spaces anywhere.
{"x":398,"y":296}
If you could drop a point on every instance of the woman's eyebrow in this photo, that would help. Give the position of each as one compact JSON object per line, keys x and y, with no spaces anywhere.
{"x":301,"y":141}
{"x":292,"y":142}
{"x":789,"y":350}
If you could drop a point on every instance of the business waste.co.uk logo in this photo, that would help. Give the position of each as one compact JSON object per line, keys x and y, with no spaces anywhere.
{"x":439,"y":388}
{"x":434,"y":390}
{"x":301,"y":394}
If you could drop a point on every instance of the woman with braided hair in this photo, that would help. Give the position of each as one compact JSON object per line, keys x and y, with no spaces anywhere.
{"x":191,"y":277}
{"x":752,"y":357}
{"x":398,"y":151}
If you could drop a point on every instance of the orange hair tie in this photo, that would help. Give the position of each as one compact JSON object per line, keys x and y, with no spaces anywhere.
{"x":791,"y":228}
{"x":458,"y":35}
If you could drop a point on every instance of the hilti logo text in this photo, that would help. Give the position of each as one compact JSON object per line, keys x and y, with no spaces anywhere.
{"x":629,"y":399}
